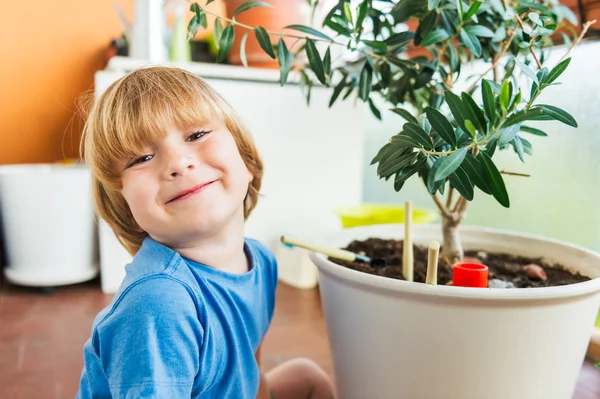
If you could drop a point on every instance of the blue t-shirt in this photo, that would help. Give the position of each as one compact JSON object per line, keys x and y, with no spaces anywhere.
{"x":180,"y":329}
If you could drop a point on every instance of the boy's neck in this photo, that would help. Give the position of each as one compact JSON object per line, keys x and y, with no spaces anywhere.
{"x":223,"y":250}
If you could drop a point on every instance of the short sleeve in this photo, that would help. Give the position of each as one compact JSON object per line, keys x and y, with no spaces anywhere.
{"x":149,"y":345}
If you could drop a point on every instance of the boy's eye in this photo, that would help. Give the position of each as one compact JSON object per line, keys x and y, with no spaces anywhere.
{"x":196,"y":136}
{"x":139,"y":160}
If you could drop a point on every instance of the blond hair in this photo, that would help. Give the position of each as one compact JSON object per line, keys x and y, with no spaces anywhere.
{"x":136,"y":111}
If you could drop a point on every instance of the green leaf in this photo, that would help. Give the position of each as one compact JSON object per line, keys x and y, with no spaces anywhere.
{"x":535,"y":18}
{"x":472,"y":10}
{"x":518,"y":147}
{"x":504,"y":95}
{"x":363,"y":11}
{"x":248,"y":5}
{"x":557,"y":71}
{"x":283,"y":56}
{"x":528,"y":71}
{"x":338,"y":89}
{"x":264,"y":40}
{"x":395,"y":161}
{"x":386,"y":74}
{"x":441,"y":125}
{"x":471,"y":128}
{"x":225,"y":43}
{"x":327,"y":65}
{"x":195,"y":8}
{"x":314,"y":60}
{"x":534,"y":131}
{"x":385,"y":150}
{"x":400,"y":39}
{"x":460,"y":9}
{"x":526,"y":146}
{"x":434,"y":37}
{"x":192,"y":28}
{"x":461,"y":182}
{"x":398,"y":183}
{"x":218,"y":31}
{"x":425,"y":26}
{"x":454,"y":62}
{"x":488,"y":101}
{"x":491,"y":146}
{"x":209,"y":1}
{"x":407,"y":172}
{"x":457,"y":108}
{"x":338,"y":28}
{"x":364,"y":84}
{"x":473,"y":168}
{"x":243,"y":50}
{"x":416,"y":132}
{"x":523,"y":115}
{"x":494,"y":178}
{"x":558,"y":114}
{"x":309,"y":30}
{"x":505,"y":135}
{"x":451,"y":163}
{"x":378,"y":46}
{"x":348,"y":12}
{"x":474,"y":113}
{"x":479,"y":30}
{"x":432,"y":4}
{"x":306,"y":86}
{"x":432,"y":184}
{"x":495,"y":87}
{"x":374,"y":109}
{"x":470,"y":41}
{"x":403,"y":139}
{"x":406,"y":115}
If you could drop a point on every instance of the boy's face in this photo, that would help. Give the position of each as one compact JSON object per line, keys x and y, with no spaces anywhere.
{"x":189,"y":185}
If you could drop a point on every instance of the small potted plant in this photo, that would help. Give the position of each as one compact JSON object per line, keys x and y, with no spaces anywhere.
{"x":392,"y":334}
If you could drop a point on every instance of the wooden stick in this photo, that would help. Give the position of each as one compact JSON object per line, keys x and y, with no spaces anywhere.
{"x":333,"y":252}
{"x":432,"y":263}
{"x":407,"y":251}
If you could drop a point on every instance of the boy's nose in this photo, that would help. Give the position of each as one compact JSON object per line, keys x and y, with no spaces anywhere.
{"x":178,"y":164}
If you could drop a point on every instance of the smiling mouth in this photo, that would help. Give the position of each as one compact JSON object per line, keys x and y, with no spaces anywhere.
{"x":190,"y":193}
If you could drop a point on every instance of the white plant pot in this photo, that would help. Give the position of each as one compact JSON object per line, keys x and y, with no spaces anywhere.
{"x":48,"y":224}
{"x":396,"y":339}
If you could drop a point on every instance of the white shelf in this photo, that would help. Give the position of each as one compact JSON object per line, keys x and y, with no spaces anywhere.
{"x":205,"y":69}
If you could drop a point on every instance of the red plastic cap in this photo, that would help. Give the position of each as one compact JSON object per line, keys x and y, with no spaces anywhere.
{"x":470,"y":275}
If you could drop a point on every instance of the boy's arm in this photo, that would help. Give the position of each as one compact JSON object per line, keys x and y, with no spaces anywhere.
{"x":150,"y":345}
{"x":263,"y":388}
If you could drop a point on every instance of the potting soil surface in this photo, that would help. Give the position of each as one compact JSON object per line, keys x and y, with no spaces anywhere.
{"x":502,"y":267}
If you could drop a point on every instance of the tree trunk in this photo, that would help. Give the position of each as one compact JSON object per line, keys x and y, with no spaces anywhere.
{"x":451,"y":247}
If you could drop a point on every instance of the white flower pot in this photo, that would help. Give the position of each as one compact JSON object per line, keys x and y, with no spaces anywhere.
{"x":396,"y":339}
{"x":48,"y":224}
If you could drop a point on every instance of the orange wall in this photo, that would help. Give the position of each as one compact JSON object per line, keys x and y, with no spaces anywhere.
{"x":50,"y":52}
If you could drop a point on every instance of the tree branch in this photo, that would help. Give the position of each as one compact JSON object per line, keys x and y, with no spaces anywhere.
{"x":495,"y":63}
{"x":584,"y":29}
{"x":505,"y":172}
{"x":449,"y":199}
{"x":441,"y":206}
{"x":535,"y":57}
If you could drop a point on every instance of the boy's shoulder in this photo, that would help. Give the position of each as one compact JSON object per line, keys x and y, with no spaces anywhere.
{"x":152,"y":278}
{"x":260,"y":249}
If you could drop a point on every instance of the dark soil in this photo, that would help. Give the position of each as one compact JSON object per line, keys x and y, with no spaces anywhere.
{"x":502,"y":267}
